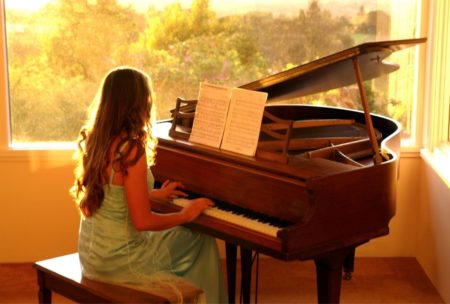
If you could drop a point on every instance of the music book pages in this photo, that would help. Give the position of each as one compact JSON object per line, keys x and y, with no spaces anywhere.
{"x":210,"y":115}
{"x":244,"y":121}
{"x":228,"y":118}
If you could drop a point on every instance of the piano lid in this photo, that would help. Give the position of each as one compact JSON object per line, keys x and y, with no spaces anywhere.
{"x":332,"y":71}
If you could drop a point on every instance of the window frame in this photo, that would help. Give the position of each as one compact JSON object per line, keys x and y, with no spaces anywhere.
{"x":4,"y":105}
{"x":61,"y":151}
{"x":30,"y":153}
{"x":436,"y":146}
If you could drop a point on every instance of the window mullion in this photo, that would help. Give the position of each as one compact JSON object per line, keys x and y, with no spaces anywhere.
{"x":4,"y":100}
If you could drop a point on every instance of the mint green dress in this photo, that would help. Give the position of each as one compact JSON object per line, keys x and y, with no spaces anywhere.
{"x":179,"y":264}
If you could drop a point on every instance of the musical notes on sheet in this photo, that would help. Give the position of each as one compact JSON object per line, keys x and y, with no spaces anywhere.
{"x":244,"y":121}
{"x":228,"y":118}
{"x":210,"y":115}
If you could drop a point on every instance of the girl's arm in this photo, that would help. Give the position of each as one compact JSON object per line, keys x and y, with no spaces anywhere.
{"x":139,"y":205}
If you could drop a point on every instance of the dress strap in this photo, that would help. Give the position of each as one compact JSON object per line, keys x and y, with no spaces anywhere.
{"x":111,"y":176}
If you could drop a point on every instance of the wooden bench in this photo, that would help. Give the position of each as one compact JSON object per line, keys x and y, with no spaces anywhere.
{"x":63,"y":276}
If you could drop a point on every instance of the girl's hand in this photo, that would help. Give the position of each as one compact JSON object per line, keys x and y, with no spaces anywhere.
{"x":167,"y":192}
{"x":196,"y":206}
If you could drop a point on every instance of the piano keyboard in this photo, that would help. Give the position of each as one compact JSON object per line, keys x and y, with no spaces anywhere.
{"x":241,"y":217}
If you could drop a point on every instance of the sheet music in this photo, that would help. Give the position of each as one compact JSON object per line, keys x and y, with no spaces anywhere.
{"x":210,"y":115}
{"x":229,"y":119}
{"x":244,"y":121}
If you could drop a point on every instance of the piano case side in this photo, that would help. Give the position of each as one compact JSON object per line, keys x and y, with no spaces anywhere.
{"x":348,"y":209}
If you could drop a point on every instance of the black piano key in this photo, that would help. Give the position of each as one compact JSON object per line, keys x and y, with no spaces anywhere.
{"x":260,"y":217}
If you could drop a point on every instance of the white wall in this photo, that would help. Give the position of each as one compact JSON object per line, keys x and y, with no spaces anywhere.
{"x":433,"y":236}
{"x":39,"y":219}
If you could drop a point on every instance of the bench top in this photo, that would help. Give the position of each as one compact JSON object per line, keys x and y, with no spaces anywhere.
{"x":63,"y":275}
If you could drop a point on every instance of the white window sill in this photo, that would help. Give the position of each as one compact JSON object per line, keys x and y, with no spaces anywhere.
{"x":439,"y":160}
{"x":59,"y":152}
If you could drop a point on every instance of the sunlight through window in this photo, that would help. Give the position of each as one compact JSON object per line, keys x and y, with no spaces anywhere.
{"x":58,"y":51}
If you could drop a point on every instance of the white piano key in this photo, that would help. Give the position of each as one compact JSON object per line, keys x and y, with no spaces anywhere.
{"x":238,"y":220}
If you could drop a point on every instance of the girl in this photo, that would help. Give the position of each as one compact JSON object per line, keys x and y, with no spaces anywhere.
{"x":120,"y":239}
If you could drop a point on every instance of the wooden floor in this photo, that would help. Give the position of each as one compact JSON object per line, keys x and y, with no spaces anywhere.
{"x":376,"y":280}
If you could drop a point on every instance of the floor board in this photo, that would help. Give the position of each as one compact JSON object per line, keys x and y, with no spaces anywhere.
{"x":376,"y":280}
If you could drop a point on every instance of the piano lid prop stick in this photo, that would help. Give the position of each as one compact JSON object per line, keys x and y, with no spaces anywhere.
{"x":365,"y":105}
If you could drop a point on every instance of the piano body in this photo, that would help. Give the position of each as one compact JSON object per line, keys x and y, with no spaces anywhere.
{"x":323,"y":179}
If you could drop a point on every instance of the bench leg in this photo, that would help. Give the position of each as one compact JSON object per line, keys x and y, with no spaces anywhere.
{"x":44,"y":294}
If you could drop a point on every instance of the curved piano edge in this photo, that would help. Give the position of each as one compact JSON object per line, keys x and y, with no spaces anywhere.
{"x":390,"y":146}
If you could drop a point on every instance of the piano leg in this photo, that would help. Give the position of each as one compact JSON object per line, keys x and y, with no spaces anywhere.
{"x":349,"y":264}
{"x":231,"y":254}
{"x":329,"y":275}
{"x":246,"y":274}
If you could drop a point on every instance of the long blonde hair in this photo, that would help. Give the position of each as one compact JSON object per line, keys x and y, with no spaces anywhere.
{"x":122,"y":108}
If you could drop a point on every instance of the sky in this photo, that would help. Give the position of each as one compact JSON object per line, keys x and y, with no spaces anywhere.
{"x":25,"y":4}
{"x":229,"y":6}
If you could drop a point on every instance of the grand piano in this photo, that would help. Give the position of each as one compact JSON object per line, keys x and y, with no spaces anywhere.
{"x":322,"y":182}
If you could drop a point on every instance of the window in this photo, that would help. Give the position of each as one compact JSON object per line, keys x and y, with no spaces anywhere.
{"x":437,"y":96}
{"x":438,"y":86}
{"x":58,"y":51}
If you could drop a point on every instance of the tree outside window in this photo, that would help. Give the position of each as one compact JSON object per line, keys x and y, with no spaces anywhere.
{"x":58,"y":53}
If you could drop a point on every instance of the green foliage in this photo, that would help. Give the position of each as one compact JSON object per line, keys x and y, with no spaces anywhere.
{"x":376,"y":22}
{"x":321,"y":34}
{"x":58,"y":55}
